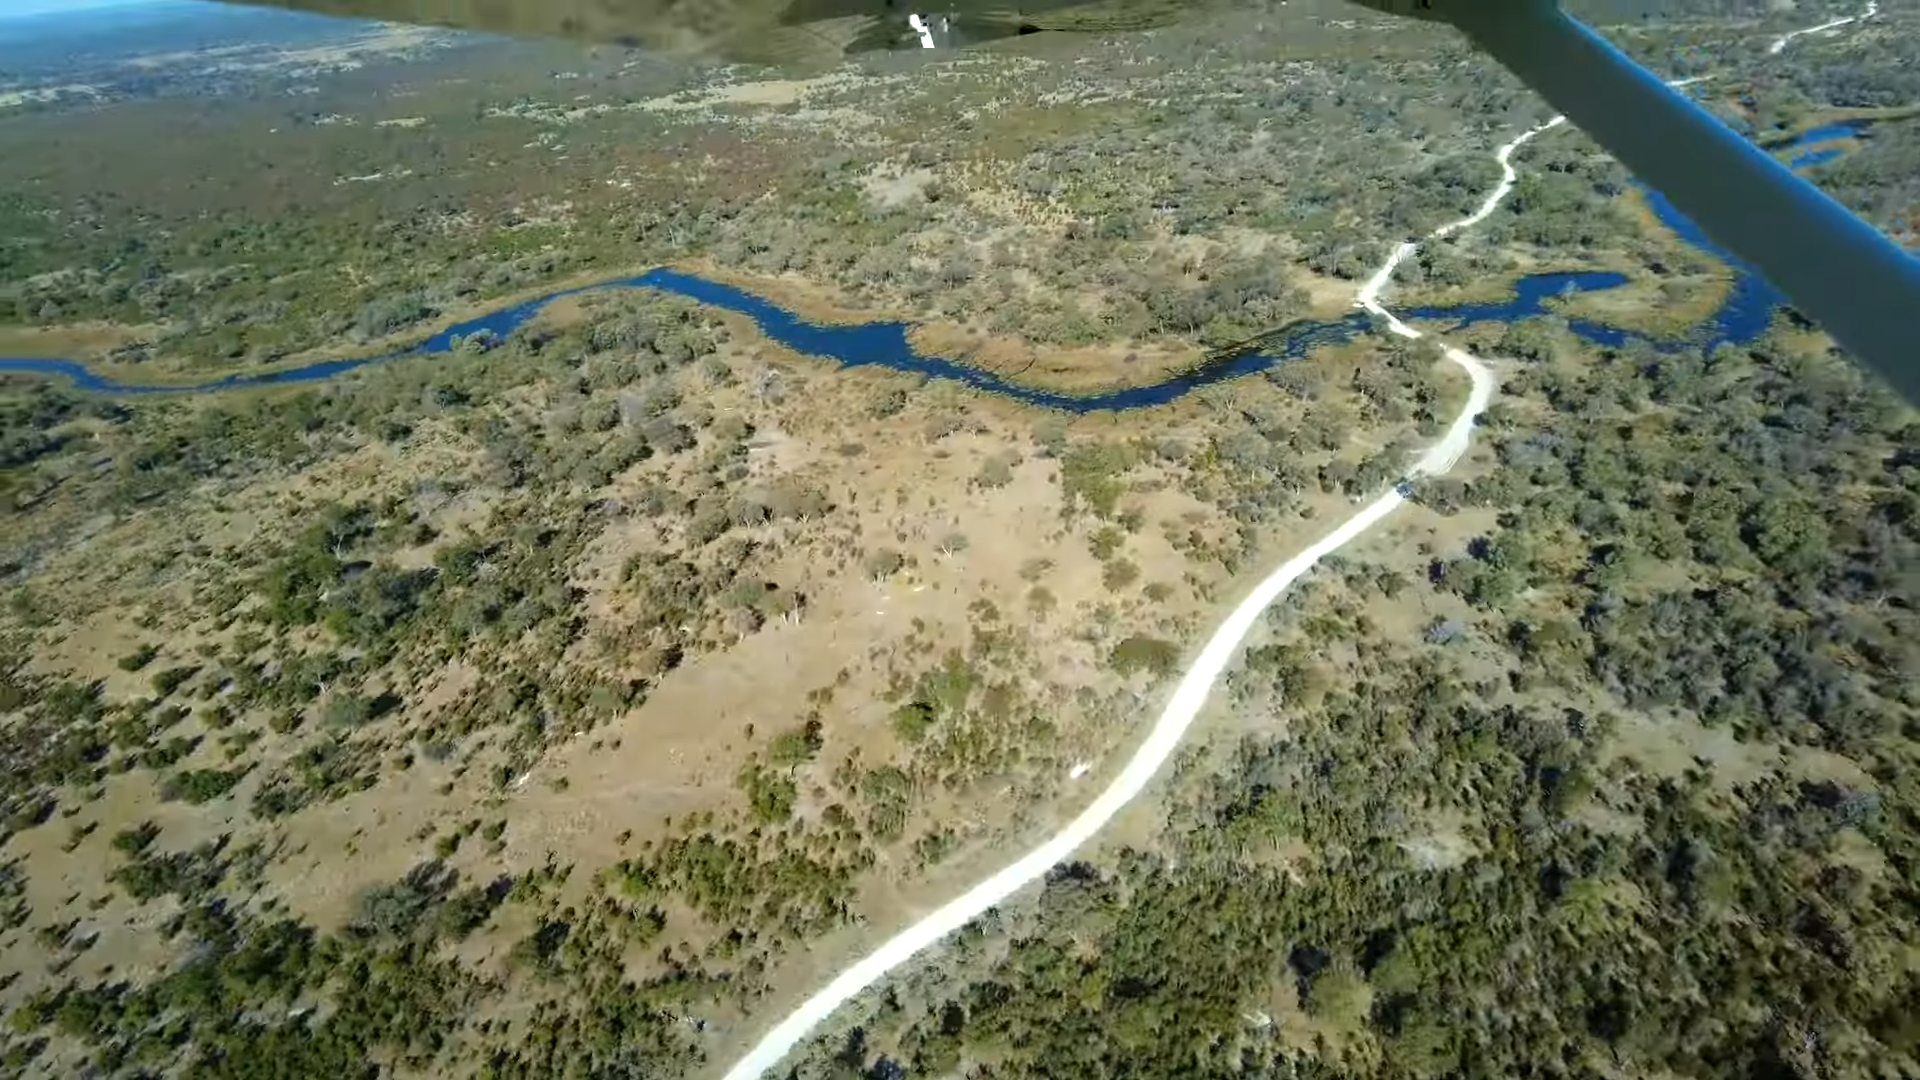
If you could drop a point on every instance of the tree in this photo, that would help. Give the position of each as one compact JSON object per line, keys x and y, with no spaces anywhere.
{"x":797,"y":746}
{"x":1339,"y":996}
{"x":1141,"y":653}
{"x":883,"y":564}
{"x":913,"y":720}
{"x":394,"y":911}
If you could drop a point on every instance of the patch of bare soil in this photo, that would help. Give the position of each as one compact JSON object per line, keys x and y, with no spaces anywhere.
{"x":1087,"y":368}
{"x":790,"y":291}
{"x":73,"y":340}
{"x":967,"y":492}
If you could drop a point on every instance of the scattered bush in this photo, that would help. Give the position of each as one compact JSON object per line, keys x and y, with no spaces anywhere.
{"x":166,"y":682}
{"x":198,"y":786}
{"x":883,"y":564}
{"x":138,"y":658}
{"x":913,"y":720}
{"x":1141,"y":653}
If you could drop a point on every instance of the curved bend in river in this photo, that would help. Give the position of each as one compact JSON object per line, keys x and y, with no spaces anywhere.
{"x":1742,"y":317}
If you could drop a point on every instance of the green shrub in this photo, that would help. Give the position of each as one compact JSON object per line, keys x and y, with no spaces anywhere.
{"x":131,"y":842}
{"x":199,"y":786}
{"x":1142,"y":653}
{"x":1091,"y":474}
{"x":913,"y":720}
{"x":138,"y":658}
{"x":796,"y":746}
{"x":770,"y":797}
{"x":883,"y":564}
{"x":166,"y":682}
{"x":995,"y":473}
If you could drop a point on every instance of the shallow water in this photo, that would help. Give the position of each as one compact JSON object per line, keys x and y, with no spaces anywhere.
{"x":1745,"y":315}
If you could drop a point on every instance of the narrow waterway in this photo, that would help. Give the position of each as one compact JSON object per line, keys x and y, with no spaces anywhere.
{"x":1742,"y":316}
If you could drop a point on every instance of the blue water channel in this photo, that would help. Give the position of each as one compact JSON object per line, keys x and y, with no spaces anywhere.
{"x":1744,"y":316}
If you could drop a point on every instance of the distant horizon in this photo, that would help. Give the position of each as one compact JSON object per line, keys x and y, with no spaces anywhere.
{"x":20,"y":9}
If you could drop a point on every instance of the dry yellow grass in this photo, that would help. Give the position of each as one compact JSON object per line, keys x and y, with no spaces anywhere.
{"x":590,"y":799}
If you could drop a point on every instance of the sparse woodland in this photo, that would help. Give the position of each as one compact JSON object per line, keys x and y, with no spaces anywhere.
{"x":1603,"y":763}
{"x":1721,"y":546}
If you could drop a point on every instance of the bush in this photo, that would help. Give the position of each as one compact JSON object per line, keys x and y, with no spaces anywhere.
{"x":346,"y":710}
{"x":995,"y":473}
{"x":1142,"y":653}
{"x":888,"y":793}
{"x":13,"y":696}
{"x":199,"y":786}
{"x":139,"y":658}
{"x":394,"y":911}
{"x":469,"y":909}
{"x":131,"y":842}
{"x":709,"y":523}
{"x":32,"y":813}
{"x":770,"y":797}
{"x":796,"y":746}
{"x":537,"y":950}
{"x":1091,"y":474}
{"x":352,"y":710}
{"x":913,"y":720}
{"x":883,"y":564}
{"x":166,"y":682}
{"x":385,"y":316}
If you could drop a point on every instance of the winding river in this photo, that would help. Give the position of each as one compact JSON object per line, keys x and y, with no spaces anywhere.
{"x":1746,"y":314}
{"x":1743,"y":316}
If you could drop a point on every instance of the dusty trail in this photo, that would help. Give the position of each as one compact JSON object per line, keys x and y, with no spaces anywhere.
{"x":1780,"y":43}
{"x":1181,"y":709}
{"x":1206,"y":668}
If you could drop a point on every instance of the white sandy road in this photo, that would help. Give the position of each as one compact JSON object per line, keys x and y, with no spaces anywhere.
{"x":1195,"y":686}
{"x":1188,"y":697}
{"x":1780,"y":43}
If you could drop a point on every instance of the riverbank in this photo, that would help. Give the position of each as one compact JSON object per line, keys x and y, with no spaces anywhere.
{"x":1662,"y":302}
{"x":1182,"y":708}
{"x":1097,"y":370}
{"x":1663,"y":308}
{"x":1196,"y":683}
{"x":92,"y":341}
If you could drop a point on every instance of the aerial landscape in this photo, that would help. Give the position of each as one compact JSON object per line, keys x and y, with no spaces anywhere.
{"x":1242,"y":547}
